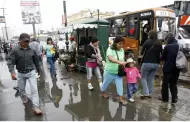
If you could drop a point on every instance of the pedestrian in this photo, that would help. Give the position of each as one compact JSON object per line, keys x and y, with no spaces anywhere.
{"x":50,"y":53}
{"x":93,"y":62}
{"x":170,"y":71}
{"x":34,"y":45}
{"x":115,"y":57}
{"x":72,"y":48}
{"x":26,"y":60}
{"x":132,"y":73}
{"x":151,"y":51}
{"x":61,"y":46}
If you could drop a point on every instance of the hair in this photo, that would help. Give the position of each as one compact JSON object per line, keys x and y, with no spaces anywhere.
{"x":154,"y":37}
{"x":49,"y":39}
{"x":116,"y":40}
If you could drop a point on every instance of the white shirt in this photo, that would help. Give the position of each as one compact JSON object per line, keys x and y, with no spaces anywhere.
{"x":72,"y":46}
{"x":61,"y":45}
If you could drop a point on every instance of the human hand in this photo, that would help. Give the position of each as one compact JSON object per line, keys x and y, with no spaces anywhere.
{"x":122,"y":63}
{"x":14,"y":76}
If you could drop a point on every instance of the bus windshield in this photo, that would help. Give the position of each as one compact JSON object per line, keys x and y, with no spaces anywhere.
{"x":165,"y":25}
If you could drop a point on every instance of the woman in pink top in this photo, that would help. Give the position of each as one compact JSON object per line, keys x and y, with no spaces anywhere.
{"x":132,"y":73}
{"x":93,"y":60}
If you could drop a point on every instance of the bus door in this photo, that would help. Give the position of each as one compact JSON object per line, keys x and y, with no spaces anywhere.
{"x":146,"y":20}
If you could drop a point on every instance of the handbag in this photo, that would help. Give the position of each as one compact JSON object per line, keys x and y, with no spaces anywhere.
{"x":121,"y":68}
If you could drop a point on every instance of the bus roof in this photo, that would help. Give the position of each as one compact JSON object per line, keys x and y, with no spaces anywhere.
{"x":139,"y":11}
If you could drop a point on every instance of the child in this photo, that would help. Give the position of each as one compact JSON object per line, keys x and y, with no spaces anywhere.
{"x":132,"y":73}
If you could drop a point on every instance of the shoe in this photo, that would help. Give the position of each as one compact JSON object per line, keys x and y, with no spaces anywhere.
{"x":123,"y":102}
{"x":131,"y":100}
{"x":90,"y":87}
{"x":104,"y":95}
{"x":37,"y":111}
{"x":17,"y":94}
{"x":174,"y":100}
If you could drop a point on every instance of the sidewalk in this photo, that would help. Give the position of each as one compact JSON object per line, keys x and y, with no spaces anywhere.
{"x":68,"y":99}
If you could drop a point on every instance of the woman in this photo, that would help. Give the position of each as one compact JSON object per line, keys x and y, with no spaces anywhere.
{"x":93,"y":61}
{"x":111,"y":68}
{"x":50,"y":53}
{"x":151,"y":51}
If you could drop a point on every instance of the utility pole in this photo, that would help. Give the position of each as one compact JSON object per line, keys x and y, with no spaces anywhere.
{"x":5,"y":23}
{"x":34,"y":30}
{"x":65,"y":17}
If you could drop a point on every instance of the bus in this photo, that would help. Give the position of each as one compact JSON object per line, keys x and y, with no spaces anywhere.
{"x":130,"y":25}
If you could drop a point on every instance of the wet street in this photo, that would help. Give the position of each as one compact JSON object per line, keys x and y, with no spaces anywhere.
{"x":68,"y":99}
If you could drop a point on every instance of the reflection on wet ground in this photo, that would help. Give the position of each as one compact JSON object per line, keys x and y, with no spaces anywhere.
{"x":67,"y":98}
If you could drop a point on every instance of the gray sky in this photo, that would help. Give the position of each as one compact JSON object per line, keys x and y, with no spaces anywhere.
{"x":52,"y":10}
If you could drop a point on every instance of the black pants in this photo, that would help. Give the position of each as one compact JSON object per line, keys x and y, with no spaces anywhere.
{"x":170,"y":82}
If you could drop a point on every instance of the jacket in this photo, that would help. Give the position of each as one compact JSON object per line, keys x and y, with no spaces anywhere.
{"x":169,"y":57}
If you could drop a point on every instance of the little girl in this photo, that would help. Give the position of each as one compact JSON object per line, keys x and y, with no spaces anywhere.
{"x":132,"y":73}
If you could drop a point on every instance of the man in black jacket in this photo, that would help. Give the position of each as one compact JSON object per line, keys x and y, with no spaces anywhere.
{"x":170,"y":71}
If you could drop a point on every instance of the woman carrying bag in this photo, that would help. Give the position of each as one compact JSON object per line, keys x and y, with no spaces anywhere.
{"x":114,"y":68}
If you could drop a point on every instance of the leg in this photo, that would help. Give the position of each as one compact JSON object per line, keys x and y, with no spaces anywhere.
{"x":150,"y":77}
{"x":34,"y":90}
{"x":52,"y":66}
{"x":135,"y":88}
{"x":129,"y":90}
{"x":21,"y":80}
{"x":164,"y":91}
{"x":173,"y":87}
{"x":98,"y":75}
{"x":144,"y":71}
{"x":108,"y":79}
{"x":89,"y":77}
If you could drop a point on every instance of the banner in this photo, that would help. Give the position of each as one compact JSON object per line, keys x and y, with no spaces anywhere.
{"x":30,"y":11}
{"x":2,"y":19}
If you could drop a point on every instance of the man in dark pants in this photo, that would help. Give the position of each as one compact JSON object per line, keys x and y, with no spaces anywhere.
{"x":170,"y":71}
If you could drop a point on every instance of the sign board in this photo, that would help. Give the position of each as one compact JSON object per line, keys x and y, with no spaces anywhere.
{"x":2,"y":19}
{"x":30,"y":11}
{"x":165,"y":14}
{"x":146,"y":14}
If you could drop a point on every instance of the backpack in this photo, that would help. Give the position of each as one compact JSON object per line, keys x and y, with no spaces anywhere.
{"x":181,"y":60}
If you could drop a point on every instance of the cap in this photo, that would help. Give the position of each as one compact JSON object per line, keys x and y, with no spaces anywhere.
{"x":118,"y":39}
{"x":24,"y":37}
{"x":130,"y":60}
{"x":94,"y":39}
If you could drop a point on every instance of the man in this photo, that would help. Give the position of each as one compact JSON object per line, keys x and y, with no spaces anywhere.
{"x":36,"y":47}
{"x":26,"y":60}
{"x":61,"y":46}
{"x":170,"y":71}
{"x":72,"y":50}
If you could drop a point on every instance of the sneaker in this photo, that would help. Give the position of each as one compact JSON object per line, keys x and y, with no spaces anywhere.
{"x":37,"y":111}
{"x":131,"y":100}
{"x":100,"y":84}
{"x":90,"y":87}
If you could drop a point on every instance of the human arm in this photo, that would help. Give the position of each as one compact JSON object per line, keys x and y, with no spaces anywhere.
{"x":111,"y":58}
{"x":36,"y":62}
{"x":138,"y":74}
{"x":163,"y":57}
{"x":11,"y":61}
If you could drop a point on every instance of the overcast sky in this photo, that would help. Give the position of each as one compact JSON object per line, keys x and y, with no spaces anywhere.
{"x":52,"y":10}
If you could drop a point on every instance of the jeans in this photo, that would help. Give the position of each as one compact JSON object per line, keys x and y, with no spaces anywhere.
{"x":109,"y":78}
{"x":31,"y":77}
{"x":170,"y":81}
{"x":131,"y":89}
{"x":97,"y":72}
{"x":52,"y":65}
{"x":148,"y":71}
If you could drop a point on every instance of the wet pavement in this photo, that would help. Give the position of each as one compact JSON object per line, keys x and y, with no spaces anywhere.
{"x":68,"y":98}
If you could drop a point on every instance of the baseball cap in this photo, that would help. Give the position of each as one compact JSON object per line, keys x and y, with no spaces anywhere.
{"x":24,"y":37}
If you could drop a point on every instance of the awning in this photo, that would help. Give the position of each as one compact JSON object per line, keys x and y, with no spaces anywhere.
{"x":68,"y":29}
{"x":80,"y":26}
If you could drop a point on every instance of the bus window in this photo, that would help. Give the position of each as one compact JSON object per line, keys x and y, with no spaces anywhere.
{"x":115,"y":27}
{"x":132,"y":27}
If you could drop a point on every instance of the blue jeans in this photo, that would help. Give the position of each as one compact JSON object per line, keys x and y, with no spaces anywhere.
{"x":131,"y":89}
{"x":52,"y":65}
{"x":97,"y":72}
{"x":31,"y":77}
{"x":148,"y":72}
{"x":109,"y":78}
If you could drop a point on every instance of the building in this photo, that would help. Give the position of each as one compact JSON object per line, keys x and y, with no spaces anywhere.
{"x":86,"y":14}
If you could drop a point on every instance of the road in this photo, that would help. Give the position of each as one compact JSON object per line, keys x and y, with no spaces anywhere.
{"x":68,"y":99}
